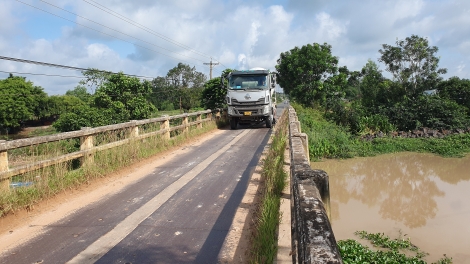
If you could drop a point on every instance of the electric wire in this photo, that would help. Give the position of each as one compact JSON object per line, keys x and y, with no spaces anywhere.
{"x":68,"y":67}
{"x":147,"y":29}
{"x":118,"y":30}
{"x":43,"y":74}
{"x":101,"y":31}
{"x":167,"y":95}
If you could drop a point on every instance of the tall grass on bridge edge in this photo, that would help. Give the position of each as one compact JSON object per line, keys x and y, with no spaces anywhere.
{"x":50,"y":181}
{"x":267,"y":218}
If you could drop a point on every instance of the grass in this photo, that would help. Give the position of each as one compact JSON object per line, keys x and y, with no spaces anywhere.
{"x":264,"y":241}
{"x":52,"y":180}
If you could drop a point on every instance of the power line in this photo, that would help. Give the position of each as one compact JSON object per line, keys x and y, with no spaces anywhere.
{"x":67,"y":67}
{"x":118,"y":31}
{"x":149,"y":30}
{"x":50,"y":75}
{"x":101,"y":31}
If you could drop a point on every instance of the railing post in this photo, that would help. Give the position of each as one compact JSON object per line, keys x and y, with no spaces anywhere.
{"x":86,"y":143}
{"x":185,"y":124}
{"x":209,"y":116}
{"x":134,"y":129}
{"x":304,"y":139}
{"x":198,"y":119}
{"x":166,"y":125}
{"x":4,"y":183}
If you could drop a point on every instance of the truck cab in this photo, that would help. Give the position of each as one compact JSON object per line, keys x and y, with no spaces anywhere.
{"x":251,"y":97}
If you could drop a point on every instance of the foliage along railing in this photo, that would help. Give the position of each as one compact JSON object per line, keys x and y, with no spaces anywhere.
{"x":89,"y":136}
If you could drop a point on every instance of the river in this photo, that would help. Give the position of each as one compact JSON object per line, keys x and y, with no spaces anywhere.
{"x":420,"y":196}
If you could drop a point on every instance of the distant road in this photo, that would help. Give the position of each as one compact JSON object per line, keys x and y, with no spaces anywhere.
{"x":179,"y":212}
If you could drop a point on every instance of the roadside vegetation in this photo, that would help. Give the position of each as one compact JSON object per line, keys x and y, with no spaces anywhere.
{"x":329,"y":140}
{"x":103,"y":98}
{"x":113,"y":98}
{"x":52,"y":180}
{"x":267,"y":218}
{"x":360,"y":113}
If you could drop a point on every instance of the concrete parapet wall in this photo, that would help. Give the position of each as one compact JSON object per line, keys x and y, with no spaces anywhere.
{"x":313,"y":240}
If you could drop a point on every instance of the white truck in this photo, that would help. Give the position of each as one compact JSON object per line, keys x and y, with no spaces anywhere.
{"x":251,"y":97}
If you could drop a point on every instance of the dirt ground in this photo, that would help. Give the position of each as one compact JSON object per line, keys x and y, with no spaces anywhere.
{"x":19,"y":227}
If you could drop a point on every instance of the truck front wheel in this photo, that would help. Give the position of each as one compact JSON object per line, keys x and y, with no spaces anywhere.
{"x":269,"y":122}
{"x":233,"y":123}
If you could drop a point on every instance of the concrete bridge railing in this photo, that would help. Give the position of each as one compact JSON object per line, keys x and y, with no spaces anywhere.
{"x":129,"y":131}
{"x":313,"y":240}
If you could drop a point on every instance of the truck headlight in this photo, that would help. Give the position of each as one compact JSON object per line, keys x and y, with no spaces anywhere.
{"x":266,"y":109}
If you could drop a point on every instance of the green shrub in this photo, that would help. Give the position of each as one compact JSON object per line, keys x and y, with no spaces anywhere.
{"x":326,"y":139}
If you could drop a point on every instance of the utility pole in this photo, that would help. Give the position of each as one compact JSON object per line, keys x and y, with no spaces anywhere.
{"x":210,"y":67}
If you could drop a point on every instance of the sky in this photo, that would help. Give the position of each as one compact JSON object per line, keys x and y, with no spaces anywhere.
{"x":150,"y":37}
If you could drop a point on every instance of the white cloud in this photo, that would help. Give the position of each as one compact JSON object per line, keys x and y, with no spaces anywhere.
{"x":240,"y":34}
{"x":460,"y":67}
{"x":242,"y":62}
{"x":329,"y":29}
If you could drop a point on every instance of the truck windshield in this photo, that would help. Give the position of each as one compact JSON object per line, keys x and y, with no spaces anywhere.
{"x":248,"y":82}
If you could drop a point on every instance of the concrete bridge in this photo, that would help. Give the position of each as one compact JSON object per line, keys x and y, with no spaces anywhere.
{"x":190,"y":205}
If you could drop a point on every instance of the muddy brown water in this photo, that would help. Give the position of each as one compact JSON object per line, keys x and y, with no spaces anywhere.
{"x":420,"y":196}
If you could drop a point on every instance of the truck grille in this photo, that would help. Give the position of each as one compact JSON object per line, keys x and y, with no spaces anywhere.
{"x":236,"y":102}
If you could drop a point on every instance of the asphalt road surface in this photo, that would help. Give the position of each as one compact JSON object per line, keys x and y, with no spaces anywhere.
{"x":180,"y":212}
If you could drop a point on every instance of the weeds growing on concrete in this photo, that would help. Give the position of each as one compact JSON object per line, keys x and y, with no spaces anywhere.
{"x":264,"y":242}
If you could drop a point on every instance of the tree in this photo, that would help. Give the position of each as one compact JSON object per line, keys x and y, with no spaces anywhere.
{"x":162,"y":95}
{"x":80,"y":92}
{"x":182,"y":87}
{"x":61,"y":104}
{"x":184,"y":76}
{"x":352,"y":90}
{"x":302,"y":73}
{"x":214,"y":93}
{"x":20,"y":101}
{"x":455,"y":89}
{"x":124,"y":97}
{"x":95,"y":78}
{"x":370,"y":84}
{"x":413,"y":63}
{"x":82,"y":116}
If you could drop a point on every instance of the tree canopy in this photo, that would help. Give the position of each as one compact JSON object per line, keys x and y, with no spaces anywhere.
{"x":413,"y":63}
{"x":180,"y":88}
{"x":20,"y":101}
{"x":309,"y":74}
{"x":214,"y":92}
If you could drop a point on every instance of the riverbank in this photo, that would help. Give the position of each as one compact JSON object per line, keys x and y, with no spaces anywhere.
{"x":328,"y":140}
{"x":390,"y":203}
